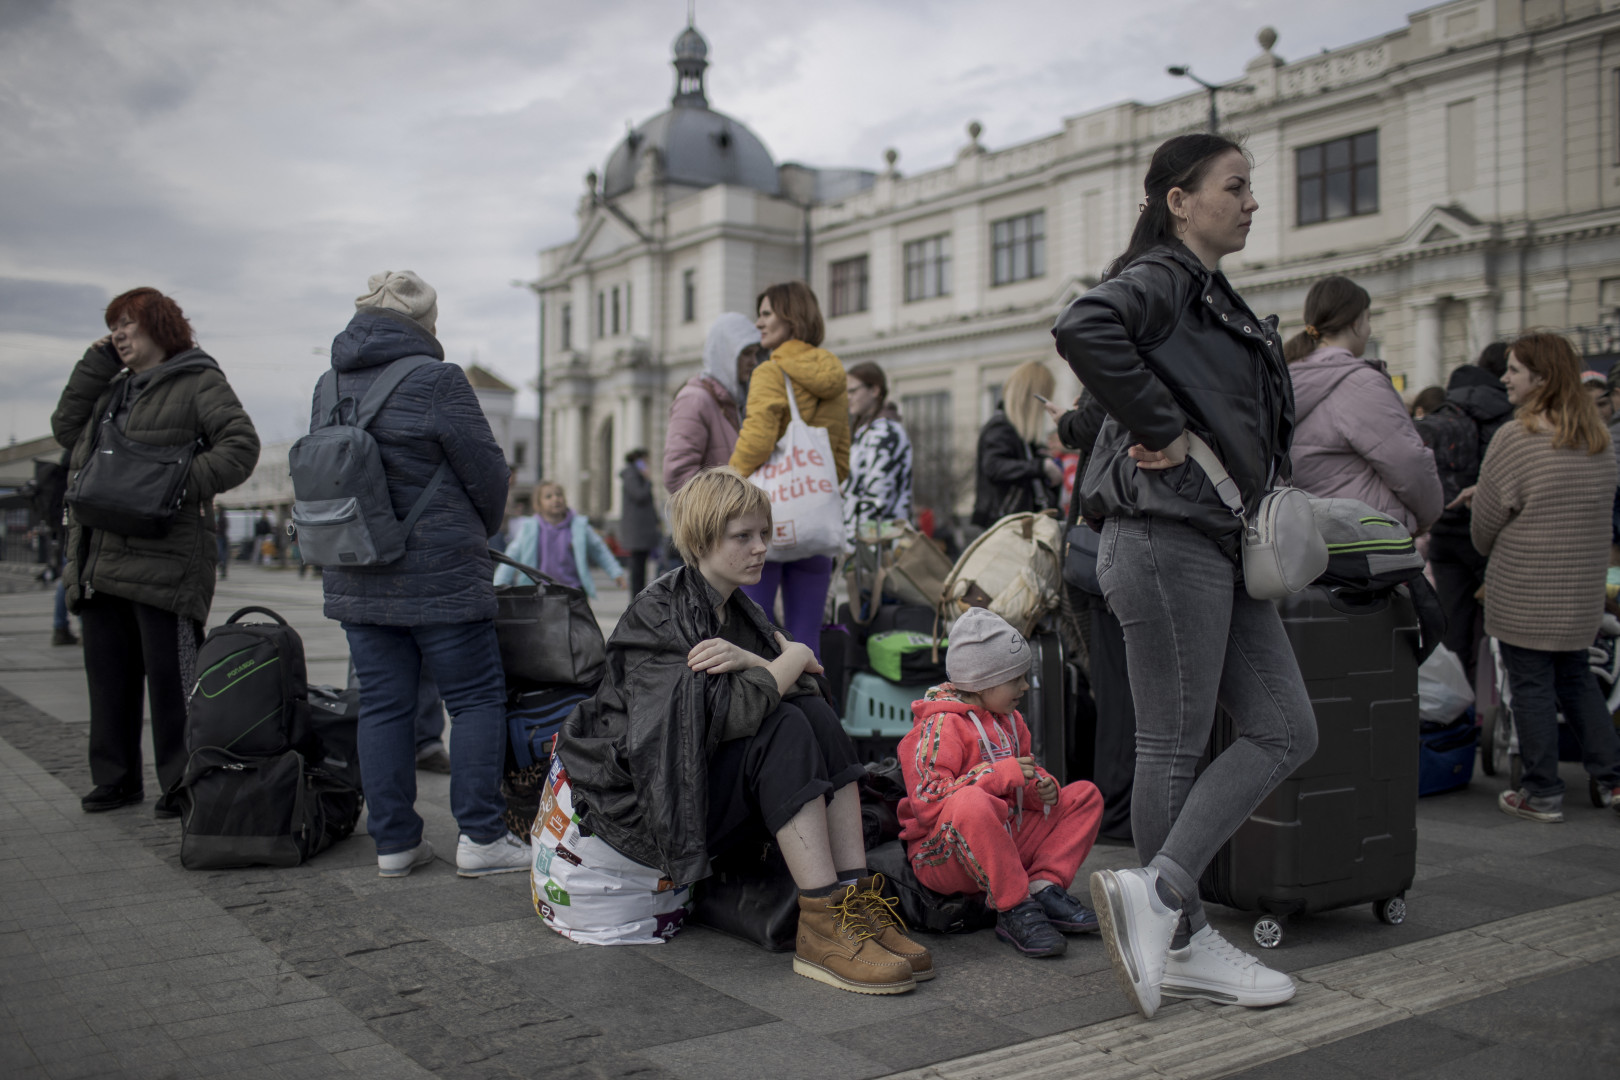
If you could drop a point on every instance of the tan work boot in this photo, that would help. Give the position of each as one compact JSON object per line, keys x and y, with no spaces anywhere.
{"x":837,"y":946}
{"x":883,"y":916}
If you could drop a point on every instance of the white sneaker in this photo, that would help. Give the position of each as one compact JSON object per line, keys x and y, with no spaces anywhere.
{"x":1136,"y":929}
{"x":401,"y":863}
{"x":1213,"y":968}
{"x":507,"y":855}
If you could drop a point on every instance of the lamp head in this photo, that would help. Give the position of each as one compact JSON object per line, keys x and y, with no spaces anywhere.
{"x":1177,"y":69}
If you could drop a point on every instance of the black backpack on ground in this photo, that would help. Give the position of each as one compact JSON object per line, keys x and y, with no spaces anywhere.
{"x":266,"y":783}
{"x":921,"y":907}
{"x":252,"y":690}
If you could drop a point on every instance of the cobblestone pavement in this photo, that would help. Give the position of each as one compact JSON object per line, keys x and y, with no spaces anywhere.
{"x":116,"y":962}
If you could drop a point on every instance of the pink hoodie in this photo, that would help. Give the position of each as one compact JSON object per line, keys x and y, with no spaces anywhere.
{"x":702,"y":430}
{"x":1353,"y":439}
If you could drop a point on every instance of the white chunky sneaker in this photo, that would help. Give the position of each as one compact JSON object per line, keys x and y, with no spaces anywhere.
{"x":1213,"y":968}
{"x":507,"y":855}
{"x":401,"y":863}
{"x":1136,"y":929}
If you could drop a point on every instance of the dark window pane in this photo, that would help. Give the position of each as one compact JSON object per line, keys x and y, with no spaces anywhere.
{"x":1338,"y":195}
{"x":1310,"y":201}
{"x":1003,"y":269}
{"x":1310,"y":161}
{"x":1338,"y":154}
{"x":1366,"y":147}
{"x":1367,"y":189}
{"x":1037,"y":256}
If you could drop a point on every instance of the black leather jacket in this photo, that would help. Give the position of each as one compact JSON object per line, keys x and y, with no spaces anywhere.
{"x":1168,"y":346}
{"x":637,"y":754}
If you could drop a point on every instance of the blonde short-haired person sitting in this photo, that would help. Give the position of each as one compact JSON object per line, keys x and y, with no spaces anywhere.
{"x":710,"y":732}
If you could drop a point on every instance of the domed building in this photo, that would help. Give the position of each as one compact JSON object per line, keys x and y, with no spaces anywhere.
{"x":690,"y":217}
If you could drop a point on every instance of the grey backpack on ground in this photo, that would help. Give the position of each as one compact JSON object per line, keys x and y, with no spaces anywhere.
{"x":341,"y":508}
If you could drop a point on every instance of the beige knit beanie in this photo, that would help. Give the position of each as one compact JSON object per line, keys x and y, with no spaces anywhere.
{"x":985,"y":651}
{"x":404,"y":292}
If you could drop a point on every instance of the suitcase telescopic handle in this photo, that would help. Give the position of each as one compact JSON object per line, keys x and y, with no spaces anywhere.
{"x":255,"y":609}
{"x":536,"y":575}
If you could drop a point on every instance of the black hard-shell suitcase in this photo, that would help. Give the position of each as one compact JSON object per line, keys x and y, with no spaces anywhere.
{"x":1342,"y":829}
{"x":1044,"y":705}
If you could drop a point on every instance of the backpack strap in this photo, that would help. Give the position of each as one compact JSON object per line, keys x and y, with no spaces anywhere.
{"x":326,"y":398}
{"x":1225,"y":487}
{"x":422,"y":500}
{"x":392,"y":375}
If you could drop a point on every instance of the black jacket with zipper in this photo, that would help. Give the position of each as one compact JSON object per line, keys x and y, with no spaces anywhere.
{"x":1010,"y":474}
{"x":1168,"y":346}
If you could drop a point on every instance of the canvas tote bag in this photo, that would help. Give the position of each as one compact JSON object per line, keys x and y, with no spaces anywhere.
{"x":801,"y":480}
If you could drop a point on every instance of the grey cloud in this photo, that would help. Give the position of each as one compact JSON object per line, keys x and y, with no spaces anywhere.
{"x":51,"y":308}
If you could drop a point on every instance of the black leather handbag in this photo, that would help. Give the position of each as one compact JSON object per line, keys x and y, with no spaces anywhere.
{"x":547,"y":632}
{"x":128,"y":487}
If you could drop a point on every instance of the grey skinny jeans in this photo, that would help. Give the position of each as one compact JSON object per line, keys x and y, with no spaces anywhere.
{"x":1194,"y":638}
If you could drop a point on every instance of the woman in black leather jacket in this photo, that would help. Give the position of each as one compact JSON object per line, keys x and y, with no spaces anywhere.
{"x":1169,"y":348}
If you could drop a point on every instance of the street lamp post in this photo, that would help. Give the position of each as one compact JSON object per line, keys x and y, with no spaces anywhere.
{"x":1183,"y":71}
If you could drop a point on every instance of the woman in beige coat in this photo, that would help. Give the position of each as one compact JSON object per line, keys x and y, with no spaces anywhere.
{"x":1541,"y":515}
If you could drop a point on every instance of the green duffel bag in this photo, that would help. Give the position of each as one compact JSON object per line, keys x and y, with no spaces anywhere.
{"x":904,"y":656}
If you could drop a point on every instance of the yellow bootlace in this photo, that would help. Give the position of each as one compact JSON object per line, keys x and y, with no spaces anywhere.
{"x":850,"y":911}
{"x":881,"y":911}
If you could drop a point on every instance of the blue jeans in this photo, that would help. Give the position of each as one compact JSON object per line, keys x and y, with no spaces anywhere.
{"x":465,"y":661}
{"x":804,"y":584}
{"x":1541,"y":682}
{"x":1195,"y":639}
{"x":59,"y":619}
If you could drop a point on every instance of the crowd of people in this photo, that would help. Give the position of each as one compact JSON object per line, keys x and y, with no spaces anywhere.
{"x":711,"y":730}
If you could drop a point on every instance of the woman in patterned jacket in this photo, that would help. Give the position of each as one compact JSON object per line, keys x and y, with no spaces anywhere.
{"x":879,"y":485}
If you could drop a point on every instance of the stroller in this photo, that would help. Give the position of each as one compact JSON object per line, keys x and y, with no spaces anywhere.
{"x":1499,"y":740}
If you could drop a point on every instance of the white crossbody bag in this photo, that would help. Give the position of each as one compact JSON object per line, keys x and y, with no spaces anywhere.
{"x":1282,"y":549}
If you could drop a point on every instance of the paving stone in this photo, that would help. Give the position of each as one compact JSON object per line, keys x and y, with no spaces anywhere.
{"x":929,"y":1037}
{"x":777,"y":1050}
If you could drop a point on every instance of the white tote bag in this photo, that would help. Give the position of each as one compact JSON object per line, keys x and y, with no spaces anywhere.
{"x":801,"y":480}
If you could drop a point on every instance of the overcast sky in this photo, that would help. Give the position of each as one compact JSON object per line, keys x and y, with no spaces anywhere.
{"x":258,"y":160}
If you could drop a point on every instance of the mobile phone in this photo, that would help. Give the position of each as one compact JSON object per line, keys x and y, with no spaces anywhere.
{"x":1042,"y":400}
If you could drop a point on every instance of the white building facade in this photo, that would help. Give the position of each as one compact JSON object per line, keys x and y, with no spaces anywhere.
{"x":1465,"y":169}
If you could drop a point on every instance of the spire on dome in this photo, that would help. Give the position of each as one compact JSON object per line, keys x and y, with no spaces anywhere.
{"x":691,"y":57}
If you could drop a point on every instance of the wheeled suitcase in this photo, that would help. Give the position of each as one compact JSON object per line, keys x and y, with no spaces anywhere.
{"x":1044,"y":704}
{"x":1342,"y":829}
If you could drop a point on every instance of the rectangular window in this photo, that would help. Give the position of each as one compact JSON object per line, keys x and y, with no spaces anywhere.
{"x":1460,"y":157}
{"x":520,"y":450}
{"x":848,"y":286}
{"x":688,"y":296}
{"x":1018,"y":248}
{"x":601,"y":314}
{"x":615,"y":311}
{"x":627,"y":328}
{"x":927,"y":418}
{"x":566,"y":328}
{"x":1337,"y":179}
{"x":928,"y":268}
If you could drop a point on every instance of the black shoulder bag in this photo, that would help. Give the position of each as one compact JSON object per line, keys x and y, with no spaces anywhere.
{"x":128,"y":487}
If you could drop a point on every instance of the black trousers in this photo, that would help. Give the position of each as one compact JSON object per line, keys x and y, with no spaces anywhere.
{"x":636,"y":564}
{"x":757,"y":784}
{"x":1114,"y":769}
{"x":1459,"y":571}
{"x":128,"y":647}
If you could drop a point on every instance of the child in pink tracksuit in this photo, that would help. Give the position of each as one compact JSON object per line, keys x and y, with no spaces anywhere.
{"x":979,"y":814}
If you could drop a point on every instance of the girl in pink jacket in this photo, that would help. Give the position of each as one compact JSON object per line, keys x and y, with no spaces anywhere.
{"x":706,"y":414}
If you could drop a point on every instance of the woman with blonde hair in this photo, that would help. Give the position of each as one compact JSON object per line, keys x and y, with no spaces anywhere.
{"x":1014,"y":475}
{"x":710,"y":733}
{"x":791,"y":329}
{"x":1541,"y":515}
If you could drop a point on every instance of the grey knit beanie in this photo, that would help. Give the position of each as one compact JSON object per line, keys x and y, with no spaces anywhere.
{"x":985,"y":651}
{"x":404,"y":292}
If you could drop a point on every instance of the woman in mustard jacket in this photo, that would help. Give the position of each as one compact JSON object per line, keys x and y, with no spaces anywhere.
{"x":791,"y":328}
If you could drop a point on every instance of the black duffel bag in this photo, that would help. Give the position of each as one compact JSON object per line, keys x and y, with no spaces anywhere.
{"x":260,"y":811}
{"x":749,"y":894}
{"x":547,"y":632}
{"x":921,"y":907}
{"x":127,"y":487}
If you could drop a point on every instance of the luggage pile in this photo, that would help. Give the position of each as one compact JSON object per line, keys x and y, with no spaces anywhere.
{"x":269,"y":780}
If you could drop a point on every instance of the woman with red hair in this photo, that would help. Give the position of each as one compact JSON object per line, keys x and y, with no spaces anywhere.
{"x":1541,"y":515}
{"x":142,"y":597}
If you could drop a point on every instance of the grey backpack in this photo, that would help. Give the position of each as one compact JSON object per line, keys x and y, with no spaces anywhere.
{"x":342,"y":514}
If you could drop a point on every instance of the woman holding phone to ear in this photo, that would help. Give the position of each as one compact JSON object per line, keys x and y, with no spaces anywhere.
{"x":1170,"y":348}
{"x":1014,"y":474}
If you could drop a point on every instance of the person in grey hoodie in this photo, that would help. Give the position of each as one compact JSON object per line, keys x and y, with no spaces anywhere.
{"x":706,"y":415}
{"x":1354,"y":439}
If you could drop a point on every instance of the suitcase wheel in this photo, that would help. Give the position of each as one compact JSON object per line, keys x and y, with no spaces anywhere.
{"x":1268,"y":931}
{"x":1391,"y":912}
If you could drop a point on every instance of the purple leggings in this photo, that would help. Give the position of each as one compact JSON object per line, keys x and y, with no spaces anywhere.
{"x":804,"y":584}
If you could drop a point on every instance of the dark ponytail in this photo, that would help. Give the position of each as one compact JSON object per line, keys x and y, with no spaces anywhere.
{"x":1180,"y":162}
{"x":1331,"y":306}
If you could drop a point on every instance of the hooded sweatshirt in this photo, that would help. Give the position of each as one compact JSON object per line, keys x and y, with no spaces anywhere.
{"x":704,"y":418}
{"x":819,"y":387}
{"x":1353,"y":439}
{"x":943,"y":754}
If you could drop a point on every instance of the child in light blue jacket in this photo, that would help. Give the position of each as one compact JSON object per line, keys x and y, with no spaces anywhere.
{"x":559,"y":543}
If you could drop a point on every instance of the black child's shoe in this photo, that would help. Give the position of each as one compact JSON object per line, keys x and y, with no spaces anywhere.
{"x":1065,"y":913}
{"x":1026,"y":928}
{"x":111,"y":797}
